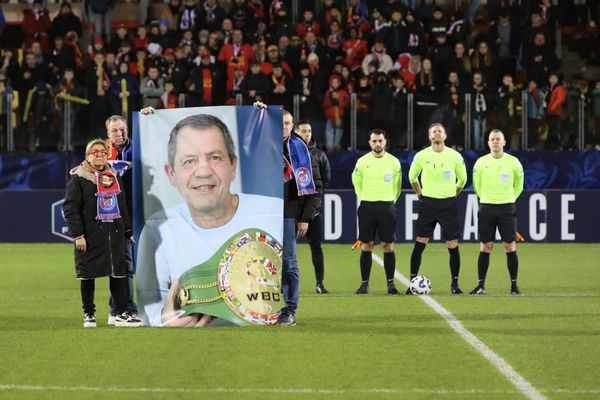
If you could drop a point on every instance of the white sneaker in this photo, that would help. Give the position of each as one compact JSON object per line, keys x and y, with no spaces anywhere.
{"x":111,"y":319}
{"x":89,"y":321}
{"x":127,"y":320}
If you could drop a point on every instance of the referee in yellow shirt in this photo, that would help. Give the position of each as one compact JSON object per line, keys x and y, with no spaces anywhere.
{"x":443,"y":175}
{"x":377,"y":180}
{"x":498,"y":181}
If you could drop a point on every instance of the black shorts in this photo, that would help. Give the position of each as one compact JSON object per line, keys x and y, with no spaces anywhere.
{"x":501,"y":216}
{"x":377,"y":217}
{"x":433,"y":211}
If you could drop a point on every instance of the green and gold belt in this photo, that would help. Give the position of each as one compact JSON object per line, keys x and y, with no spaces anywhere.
{"x":240,"y":283}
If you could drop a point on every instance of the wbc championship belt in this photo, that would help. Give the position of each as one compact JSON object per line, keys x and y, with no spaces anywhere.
{"x":240,"y":283}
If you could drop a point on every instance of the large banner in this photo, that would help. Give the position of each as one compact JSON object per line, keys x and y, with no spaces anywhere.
{"x":208,"y":215}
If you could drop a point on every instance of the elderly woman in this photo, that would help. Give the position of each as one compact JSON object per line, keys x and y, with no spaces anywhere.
{"x":98,"y":219}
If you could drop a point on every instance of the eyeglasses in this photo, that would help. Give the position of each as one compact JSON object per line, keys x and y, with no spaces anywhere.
{"x":98,"y":153}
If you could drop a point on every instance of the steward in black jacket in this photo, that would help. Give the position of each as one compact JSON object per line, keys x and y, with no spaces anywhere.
{"x":321,"y":177}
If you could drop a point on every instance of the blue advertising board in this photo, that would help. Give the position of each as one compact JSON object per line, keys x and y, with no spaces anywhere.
{"x":543,"y":216}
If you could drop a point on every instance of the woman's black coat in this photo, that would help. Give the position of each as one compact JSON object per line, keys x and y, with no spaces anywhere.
{"x":104,"y":255}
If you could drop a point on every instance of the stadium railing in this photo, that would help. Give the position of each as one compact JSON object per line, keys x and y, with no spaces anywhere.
{"x":577,"y":126}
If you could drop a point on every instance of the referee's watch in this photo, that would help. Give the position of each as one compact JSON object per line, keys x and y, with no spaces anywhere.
{"x":420,"y":196}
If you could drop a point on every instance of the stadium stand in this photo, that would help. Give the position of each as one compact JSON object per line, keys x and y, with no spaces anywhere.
{"x":399,"y":65}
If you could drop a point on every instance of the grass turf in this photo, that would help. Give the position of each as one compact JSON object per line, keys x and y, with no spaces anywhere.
{"x":344,"y":347}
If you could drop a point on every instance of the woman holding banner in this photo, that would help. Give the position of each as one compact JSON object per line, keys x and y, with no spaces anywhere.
{"x":98,"y":220}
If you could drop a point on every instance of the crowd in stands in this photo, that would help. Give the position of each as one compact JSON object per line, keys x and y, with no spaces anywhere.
{"x":380,"y":50}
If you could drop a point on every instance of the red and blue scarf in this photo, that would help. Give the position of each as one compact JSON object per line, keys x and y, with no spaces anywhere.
{"x":108,"y":189}
{"x":298,"y":166}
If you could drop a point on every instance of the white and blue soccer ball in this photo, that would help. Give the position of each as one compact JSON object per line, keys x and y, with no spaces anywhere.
{"x":420,"y":285}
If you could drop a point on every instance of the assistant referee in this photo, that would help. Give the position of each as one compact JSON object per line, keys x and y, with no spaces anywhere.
{"x":443,"y":175}
{"x":377,"y":180}
{"x":498,"y":182}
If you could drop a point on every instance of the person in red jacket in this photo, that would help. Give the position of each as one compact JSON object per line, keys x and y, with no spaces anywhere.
{"x":307,"y":24}
{"x":36,"y":25}
{"x":169,"y":98}
{"x":555,"y":99}
{"x":335,"y":103}
{"x":273,"y":57}
{"x":141,"y":39}
{"x":235,"y":55}
{"x":355,"y":49}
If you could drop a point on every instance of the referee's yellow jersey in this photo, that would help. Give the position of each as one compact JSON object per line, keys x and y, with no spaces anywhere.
{"x":498,"y":180}
{"x":443,"y":174}
{"x":377,"y":179}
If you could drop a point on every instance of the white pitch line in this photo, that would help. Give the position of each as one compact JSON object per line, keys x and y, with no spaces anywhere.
{"x":41,"y":388}
{"x":500,"y":363}
{"x":298,"y":391}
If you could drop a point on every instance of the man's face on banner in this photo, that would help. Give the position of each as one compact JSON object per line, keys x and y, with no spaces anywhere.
{"x":202,"y":171}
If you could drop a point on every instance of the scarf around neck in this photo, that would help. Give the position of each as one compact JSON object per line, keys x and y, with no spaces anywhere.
{"x":297,"y":166}
{"x":107,"y":189}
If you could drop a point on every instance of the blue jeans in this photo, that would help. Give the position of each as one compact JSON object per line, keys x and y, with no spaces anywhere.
{"x":333,"y":136}
{"x":472,"y":10}
{"x":131,"y":306}
{"x":290,"y":281}
{"x":479,"y":125}
{"x":102,"y":24}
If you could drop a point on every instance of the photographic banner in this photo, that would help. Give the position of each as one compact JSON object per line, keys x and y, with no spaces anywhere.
{"x":208,"y":215}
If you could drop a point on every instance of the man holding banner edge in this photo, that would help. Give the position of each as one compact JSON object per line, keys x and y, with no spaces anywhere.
{"x":301,"y":203}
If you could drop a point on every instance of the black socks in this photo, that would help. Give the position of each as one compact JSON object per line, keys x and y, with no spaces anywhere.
{"x":389,"y":264}
{"x":366,"y":260}
{"x":415,"y":259}
{"x":512,"y":261}
{"x":483,"y":263}
{"x":454,"y":264}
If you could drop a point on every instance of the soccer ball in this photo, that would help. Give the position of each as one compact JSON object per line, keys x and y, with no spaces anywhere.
{"x":420,"y":285}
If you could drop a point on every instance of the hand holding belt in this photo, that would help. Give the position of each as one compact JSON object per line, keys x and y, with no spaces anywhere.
{"x":240,"y":283}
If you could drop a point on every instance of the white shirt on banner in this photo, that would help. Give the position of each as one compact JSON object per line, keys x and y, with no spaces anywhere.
{"x":171,"y":243}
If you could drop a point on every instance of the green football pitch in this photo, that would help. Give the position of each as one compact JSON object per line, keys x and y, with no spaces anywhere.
{"x":542,"y":344}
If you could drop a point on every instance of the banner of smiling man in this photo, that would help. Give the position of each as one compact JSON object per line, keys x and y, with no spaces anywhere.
{"x":208,"y":215}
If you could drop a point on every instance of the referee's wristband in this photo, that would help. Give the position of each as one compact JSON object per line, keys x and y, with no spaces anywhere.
{"x":420,"y":196}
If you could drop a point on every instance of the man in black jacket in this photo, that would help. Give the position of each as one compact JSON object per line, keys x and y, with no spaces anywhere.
{"x":120,"y":153}
{"x":206,"y":83}
{"x":300,"y":205}
{"x":322,"y":177}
